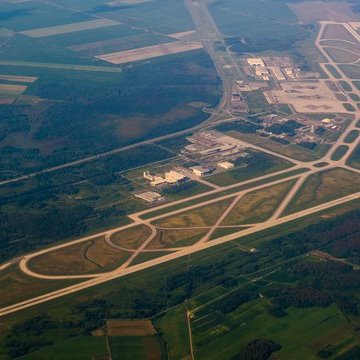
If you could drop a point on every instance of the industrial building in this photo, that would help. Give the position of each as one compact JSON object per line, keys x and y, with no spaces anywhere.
{"x":255,"y":62}
{"x":210,"y":144}
{"x":279,"y":68}
{"x":200,"y":170}
{"x":170,"y":178}
{"x":226,"y":165}
{"x":174,"y":177}
{"x":150,"y":196}
{"x":154,"y":180}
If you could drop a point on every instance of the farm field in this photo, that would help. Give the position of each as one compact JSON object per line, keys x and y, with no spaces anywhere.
{"x":69,"y":28}
{"x":179,"y":179}
{"x":318,"y":326}
{"x":85,"y":348}
{"x":134,"y":348}
{"x":149,"y":52}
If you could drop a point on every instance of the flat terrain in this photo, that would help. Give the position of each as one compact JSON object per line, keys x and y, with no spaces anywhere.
{"x":308,"y":98}
{"x":69,"y":28}
{"x":236,"y":256}
{"x":123,"y":57}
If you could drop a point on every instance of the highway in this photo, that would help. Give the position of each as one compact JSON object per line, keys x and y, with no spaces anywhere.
{"x":204,"y":243}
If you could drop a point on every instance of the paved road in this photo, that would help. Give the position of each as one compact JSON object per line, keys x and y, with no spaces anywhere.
{"x":187,"y":251}
{"x":275,"y":220}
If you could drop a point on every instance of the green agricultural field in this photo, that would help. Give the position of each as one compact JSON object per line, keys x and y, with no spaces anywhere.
{"x":17,"y":17}
{"x":173,"y":325}
{"x":135,"y":348}
{"x":276,"y":29}
{"x":80,"y":347}
{"x":163,"y":16}
{"x":223,"y":337}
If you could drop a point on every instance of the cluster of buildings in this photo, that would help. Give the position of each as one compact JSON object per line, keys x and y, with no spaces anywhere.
{"x":211,"y":147}
{"x":170,"y":178}
{"x":331,"y":124}
{"x":309,"y":130}
{"x":272,"y":67}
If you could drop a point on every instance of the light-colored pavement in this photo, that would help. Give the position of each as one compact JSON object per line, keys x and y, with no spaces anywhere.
{"x":187,"y":251}
{"x":275,"y":220}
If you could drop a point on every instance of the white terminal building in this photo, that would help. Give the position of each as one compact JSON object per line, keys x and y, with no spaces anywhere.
{"x":170,"y":177}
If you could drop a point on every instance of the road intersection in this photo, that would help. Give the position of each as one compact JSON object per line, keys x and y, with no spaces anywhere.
{"x":278,"y":217}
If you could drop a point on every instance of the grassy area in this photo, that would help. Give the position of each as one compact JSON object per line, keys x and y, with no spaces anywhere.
{"x":221,"y":193}
{"x":173,"y":326}
{"x":333,"y":71}
{"x":83,"y":258}
{"x":195,"y":188}
{"x":324,"y":186}
{"x":339,"y":152}
{"x":175,"y":238}
{"x":220,"y":337}
{"x":131,"y":238}
{"x":201,"y":216}
{"x":20,"y":287}
{"x":352,"y":136}
{"x":345,"y":85}
{"x":291,"y":150}
{"x":265,"y":164}
{"x":81,"y":347}
{"x":135,"y":348}
{"x":354,"y":159}
{"x":352,"y":71}
{"x":259,"y":205}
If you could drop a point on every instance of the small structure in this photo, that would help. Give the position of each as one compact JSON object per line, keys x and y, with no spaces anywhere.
{"x":149,"y":196}
{"x":226,"y":165}
{"x":200,"y":170}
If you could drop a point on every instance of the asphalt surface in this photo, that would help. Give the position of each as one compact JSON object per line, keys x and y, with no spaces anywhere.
{"x":276,"y":219}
